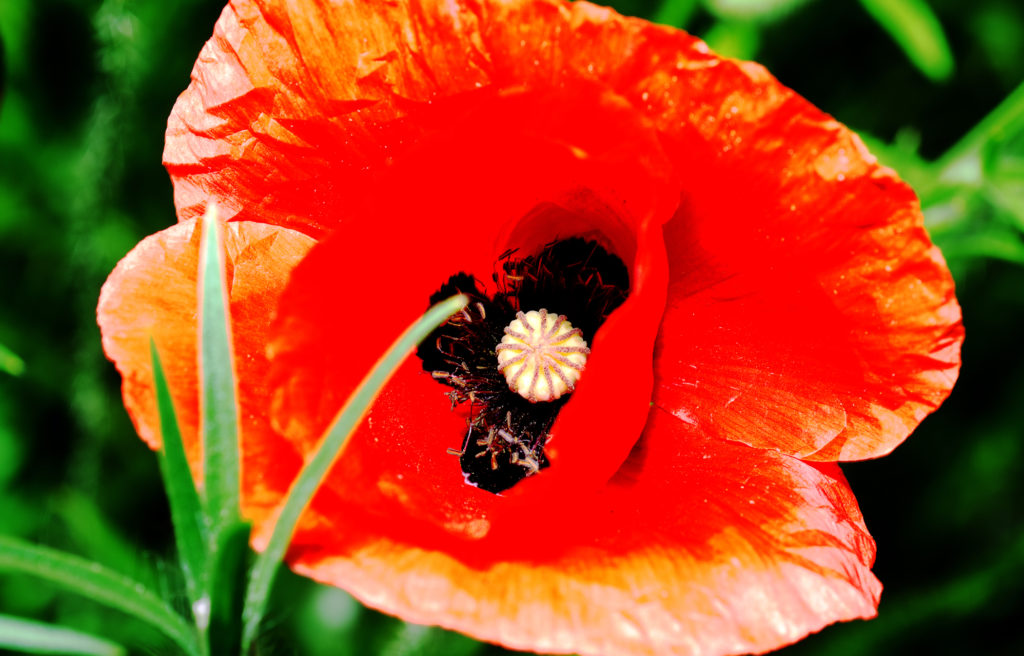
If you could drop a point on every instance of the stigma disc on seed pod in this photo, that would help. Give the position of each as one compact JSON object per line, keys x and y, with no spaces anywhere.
{"x":541,"y":355}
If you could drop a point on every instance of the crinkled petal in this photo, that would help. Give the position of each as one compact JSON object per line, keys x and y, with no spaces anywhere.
{"x":290,"y":111}
{"x":808,"y":310}
{"x":280,"y":122}
{"x":698,"y":546}
{"x":152,"y":295}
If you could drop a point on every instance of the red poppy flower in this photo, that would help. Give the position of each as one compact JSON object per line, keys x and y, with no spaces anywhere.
{"x":758,"y":296}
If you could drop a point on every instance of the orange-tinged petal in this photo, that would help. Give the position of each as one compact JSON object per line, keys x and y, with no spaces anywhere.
{"x":698,"y":546}
{"x":152,"y":294}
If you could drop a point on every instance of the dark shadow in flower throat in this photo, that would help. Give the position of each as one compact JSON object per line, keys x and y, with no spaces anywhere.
{"x":506,"y":433}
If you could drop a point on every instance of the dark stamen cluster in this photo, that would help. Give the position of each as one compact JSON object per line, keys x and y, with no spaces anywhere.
{"x":506,"y":434}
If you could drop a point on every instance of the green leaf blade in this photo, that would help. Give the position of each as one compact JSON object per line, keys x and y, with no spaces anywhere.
{"x":217,"y":380}
{"x":675,"y":12}
{"x":917,"y":31}
{"x":98,"y":583}
{"x":186,"y":509}
{"x":1000,"y":125}
{"x":737,"y":39}
{"x":40,"y":638}
{"x":10,"y":362}
{"x":756,"y":10}
{"x":418,"y":640}
{"x":228,"y":562}
{"x":309,"y":479}
{"x":993,"y":243}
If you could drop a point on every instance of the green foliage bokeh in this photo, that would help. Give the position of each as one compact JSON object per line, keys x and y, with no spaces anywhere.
{"x":85,"y":90}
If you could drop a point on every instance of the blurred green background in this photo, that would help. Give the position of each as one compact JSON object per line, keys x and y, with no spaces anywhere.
{"x":934,"y":87}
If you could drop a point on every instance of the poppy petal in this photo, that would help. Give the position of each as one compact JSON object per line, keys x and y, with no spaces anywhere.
{"x":755,"y":550}
{"x":279,"y":123}
{"x":291,"y":105}
{"x":151,"y":294}
{"x":808,"y":310}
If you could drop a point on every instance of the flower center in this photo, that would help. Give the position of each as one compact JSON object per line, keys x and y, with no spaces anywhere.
{"x":541,"y":355}
{"x":512,"y":403}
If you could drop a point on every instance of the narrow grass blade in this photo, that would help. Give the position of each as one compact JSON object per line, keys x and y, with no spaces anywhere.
{"x":98,"y":583}
{"x":311,"y":476}
{"x":10,"y":362}
{"x":761,"y":11}
{"x":217,"y":380}
{"x":995,"y":244}
{"x":734,"y":38}
{"x":186,"y":511}
{"x":38,"y":638}
{"x":1001,"y":124}
{"x":92,"y":535}
{"x":675,"y":12}
{"x":229,"y":561}
{"x":417,"y":640}
{"x":917,"y":31}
